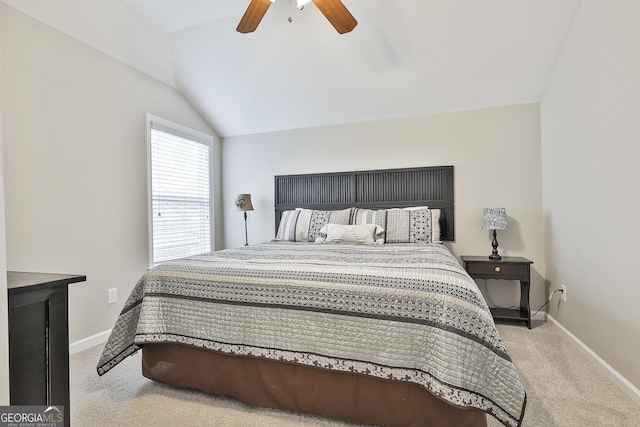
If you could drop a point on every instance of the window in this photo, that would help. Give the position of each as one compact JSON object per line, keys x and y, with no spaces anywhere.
{"x":179,"y":186}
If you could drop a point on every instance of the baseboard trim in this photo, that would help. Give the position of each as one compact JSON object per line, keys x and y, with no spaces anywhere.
{"x":88,"y":342}
{"x":603,"y":367}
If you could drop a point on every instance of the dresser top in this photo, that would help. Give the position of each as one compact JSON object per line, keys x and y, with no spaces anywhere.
{"x":18,"y":281}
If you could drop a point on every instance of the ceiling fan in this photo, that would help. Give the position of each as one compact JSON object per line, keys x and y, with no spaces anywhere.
{"x":333,"y":10}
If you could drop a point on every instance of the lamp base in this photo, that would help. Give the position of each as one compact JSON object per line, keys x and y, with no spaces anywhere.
{"x":246,"y":235}
{"x":494,"y":243}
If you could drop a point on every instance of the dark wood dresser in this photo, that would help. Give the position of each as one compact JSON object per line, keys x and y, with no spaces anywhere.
{"x":39,"y":338}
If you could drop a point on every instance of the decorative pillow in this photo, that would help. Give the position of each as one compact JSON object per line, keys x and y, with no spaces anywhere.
{"x":435,"y":222}
{"x":378,"y":233}
{"x":303,"y":225}
{"x":363,"y":234}
{"x":408,"y":226}
{"x":417,"y":224}
{"x":370,"y":216}
{"x":287,"y":227}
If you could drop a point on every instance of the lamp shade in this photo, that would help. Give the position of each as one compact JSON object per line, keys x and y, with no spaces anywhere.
{"x":494,"y":219}
{"x":243,"y":202}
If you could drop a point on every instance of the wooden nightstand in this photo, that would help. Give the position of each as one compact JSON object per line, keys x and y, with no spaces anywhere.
{"x":508,"y":268}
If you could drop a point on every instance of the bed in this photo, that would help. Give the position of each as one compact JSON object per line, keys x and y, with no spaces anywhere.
{"x":392,"y":334}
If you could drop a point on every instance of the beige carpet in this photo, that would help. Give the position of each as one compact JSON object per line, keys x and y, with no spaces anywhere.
{"x":563,"y":390}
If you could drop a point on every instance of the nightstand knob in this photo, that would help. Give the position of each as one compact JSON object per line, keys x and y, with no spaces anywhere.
{"x":497,"y":269}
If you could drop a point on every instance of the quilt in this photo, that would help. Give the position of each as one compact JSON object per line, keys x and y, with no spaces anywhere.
{"x":405,"y":312}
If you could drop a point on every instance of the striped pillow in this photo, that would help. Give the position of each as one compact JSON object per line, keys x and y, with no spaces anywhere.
{"x":370,"y":216}
{"x":304,"y":225}
{"x":287,"y":227}
{"x":408,"y":225}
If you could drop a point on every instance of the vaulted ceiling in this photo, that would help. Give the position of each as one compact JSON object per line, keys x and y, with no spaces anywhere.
{"x":404,"y":58}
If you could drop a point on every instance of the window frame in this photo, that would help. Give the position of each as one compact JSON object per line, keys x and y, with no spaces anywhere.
{"x":182,"y":131}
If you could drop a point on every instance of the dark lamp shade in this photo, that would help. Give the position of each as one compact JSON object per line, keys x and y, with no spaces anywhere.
{"x":494,"y":219}
{"x":243,"y":202}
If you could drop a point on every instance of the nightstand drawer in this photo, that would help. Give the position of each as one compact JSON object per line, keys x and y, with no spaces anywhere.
{"x":497,"y":270}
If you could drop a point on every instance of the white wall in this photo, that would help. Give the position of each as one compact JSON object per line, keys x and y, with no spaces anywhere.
{"x":590,"y":152}
{"x":496,"y":154}
{"x":75,"y":163}
{"x":4,"y":320}
{"x":109,"y":26}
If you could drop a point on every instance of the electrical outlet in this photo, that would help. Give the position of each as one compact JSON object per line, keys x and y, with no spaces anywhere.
{"x":112,"y":296}
{"x":563,"y":297}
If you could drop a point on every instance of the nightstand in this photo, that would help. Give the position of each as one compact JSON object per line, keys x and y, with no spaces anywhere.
{"x":508,"y":268}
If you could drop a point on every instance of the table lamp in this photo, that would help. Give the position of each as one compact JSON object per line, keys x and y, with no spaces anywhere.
{"x":495,"y":219}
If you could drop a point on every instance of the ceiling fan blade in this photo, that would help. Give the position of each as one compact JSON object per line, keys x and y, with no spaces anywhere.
{"x":253,"y":16}
{"x":337,"y":14}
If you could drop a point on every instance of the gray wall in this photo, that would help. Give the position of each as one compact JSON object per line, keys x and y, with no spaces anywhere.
{"x":590,"y":152}
{"x":75,"y":163}
{"x":496,"y":154}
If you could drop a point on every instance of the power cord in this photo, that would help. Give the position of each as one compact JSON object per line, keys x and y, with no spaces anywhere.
{"x":548,"y":301}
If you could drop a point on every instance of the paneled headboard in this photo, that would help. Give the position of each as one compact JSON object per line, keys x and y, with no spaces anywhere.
{"x":374,"y":189}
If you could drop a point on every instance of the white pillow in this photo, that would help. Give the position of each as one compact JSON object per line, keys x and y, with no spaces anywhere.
{"x":363,"y":234}
{"x":379,"y":234}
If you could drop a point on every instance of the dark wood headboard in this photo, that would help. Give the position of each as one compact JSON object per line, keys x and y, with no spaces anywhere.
{"x":376,"y":189}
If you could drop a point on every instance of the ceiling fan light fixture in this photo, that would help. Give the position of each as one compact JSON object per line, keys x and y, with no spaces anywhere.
{"x":333,"y":10}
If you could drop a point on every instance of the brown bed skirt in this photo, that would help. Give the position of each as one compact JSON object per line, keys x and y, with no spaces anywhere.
{"x":341,"y":395}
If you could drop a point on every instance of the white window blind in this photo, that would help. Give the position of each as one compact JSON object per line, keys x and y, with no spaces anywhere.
{"x":180,"y":193}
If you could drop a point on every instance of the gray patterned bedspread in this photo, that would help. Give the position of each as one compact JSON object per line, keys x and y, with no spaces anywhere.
{"x":407,"y":312}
